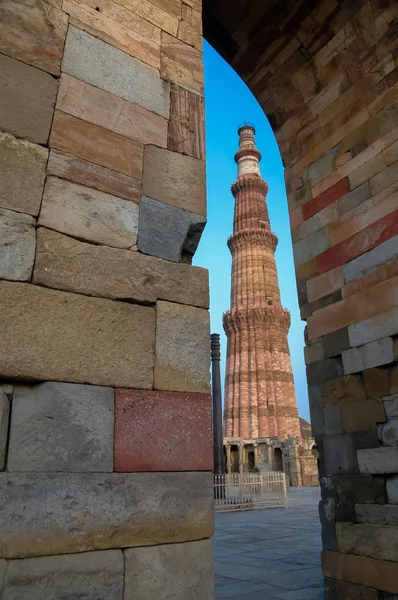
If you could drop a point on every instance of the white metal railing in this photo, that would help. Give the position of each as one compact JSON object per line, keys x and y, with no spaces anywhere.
{"x":247,"y":491}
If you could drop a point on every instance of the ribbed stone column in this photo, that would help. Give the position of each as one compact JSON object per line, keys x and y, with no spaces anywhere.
{"x":260,"y":398}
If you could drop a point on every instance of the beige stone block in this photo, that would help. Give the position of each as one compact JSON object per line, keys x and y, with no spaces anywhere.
{"x":190,"y":27}
{"x":325,"y":284}
{"x":145,"y":46}
{"x":31,"y":119}
{"x":375,"y":541}
{"x":362,"y":415}
{"x":56,"y":336}
{"x":186,"y":131}
{"x":152,"y":12}
{"x":367,"y":170}
{"x":319,"y":220}
{"x":177,"y":571}
{"x":96,"y":145}
{"x":101,"y":108}
{"x":67,"y":264}
{"x":33,"y":32}
{"x":181,"y":64}
{"x":173,"y":7}
{"x":175,"y":179}
{"x":22,"y":174}
{"x":391,"y":154}
{"x":17,"y":245}
{"x":310,"y":246}
{"x":89,"y":214}
{"x":182,"y":352}
{"x":91,"y":175}
{"x":57,"y":513}
{"x":384,"y":180}
{"x":91,"y":575}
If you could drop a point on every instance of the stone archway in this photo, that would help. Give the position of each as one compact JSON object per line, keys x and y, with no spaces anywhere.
{"x":102,"y":204}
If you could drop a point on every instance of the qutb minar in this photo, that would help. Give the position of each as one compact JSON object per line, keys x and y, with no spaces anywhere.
{"x":260,"y":399}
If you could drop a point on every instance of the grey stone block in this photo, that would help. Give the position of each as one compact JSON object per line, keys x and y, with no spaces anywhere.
{"x":103,"y":66}
{"x":389,"y":433}
{"x":91,"y":575}
{"x":323,"y":370}
{"x":4,"y":420}
{"x":374,"y":328}
{"x":378,"y":461}
{"x":374,"y":354}
{"x":340,"y":454}
{"x":62,"y":427}
{"x":335,"y":342}
{"x":370,"y":261}
{"x":61,"y":513}
{"x":3,"y":568}
{"x":332,"y":418}
{"x":327,"y":517}
{"x":177,"y":571}
{"x":392,"y":489}
{"x":354,"y":198}
{"x":391,"y":406}
{"x":378,"y":514}
{"x":17,"y":245}
{"x":311,"y":246}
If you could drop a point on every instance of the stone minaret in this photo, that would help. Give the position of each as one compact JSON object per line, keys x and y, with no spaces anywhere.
{"x":260,"y":399}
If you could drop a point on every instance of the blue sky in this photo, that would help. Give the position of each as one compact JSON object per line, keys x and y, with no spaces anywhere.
{"x":228,"y":103}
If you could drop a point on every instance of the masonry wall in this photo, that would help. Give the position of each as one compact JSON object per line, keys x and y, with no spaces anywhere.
{"x":104,"y":328}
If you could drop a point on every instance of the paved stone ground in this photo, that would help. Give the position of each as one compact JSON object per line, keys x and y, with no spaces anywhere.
{"x":271,"y":554}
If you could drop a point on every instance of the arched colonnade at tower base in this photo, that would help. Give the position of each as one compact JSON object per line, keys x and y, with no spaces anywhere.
{"x":104,"y":323}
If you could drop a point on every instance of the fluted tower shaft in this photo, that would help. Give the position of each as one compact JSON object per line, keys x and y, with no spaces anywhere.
{"x":260,"y":398}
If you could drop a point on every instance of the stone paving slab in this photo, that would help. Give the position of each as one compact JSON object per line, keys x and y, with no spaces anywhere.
{"x":271,"y":554}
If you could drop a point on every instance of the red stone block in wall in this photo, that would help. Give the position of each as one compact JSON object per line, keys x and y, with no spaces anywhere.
{"x":338,"y":190}
{"x":358,"y":244}
{"x":162,"y":431}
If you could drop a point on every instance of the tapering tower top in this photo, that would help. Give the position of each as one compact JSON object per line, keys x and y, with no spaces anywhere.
{"x":247,"y":157}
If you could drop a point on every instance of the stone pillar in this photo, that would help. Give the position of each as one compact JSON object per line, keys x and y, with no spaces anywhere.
{"x":241,"y":449}
{"x":229,"y":463}
{"x":104,"y":326}
{"x":218,"y":450}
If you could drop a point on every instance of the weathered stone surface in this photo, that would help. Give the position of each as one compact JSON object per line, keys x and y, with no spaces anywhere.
{"x":376,"y":541}
{"x":186,"y":132}
{"x":325,"y":284}
{"x":4,"y":420}
{"x":362,"y":415}
{"x":67,"y":264}
{"x":185,"y":421}
{"x":166,"y":231}
{"x":181,"y":64}
{"x":370,"y":572}
{"x":332,"y":418}
{"x":108,"y":343}
{"x":92,"y":576}
{"x":97,"y":145}
{"x":313,"y":353}
{"x":22,"y":173}
{"x":368,"y":262}
{"x":360,"y":489}
{"x":99,"y":107}
{"x":89,"y":214}
{"x":57,"y":513}
{"x":324,"y":370}
{"x":91,"y":60}
{"x":386,"y":514}
{"x":354,"y":198}
{"x":374,"y":328}
{"x":378,"y":460}
{"x":34,"y":32}
{"x":61,"y":427}
{"x":391,"y":406}
{"x":335,"y":342}
{"x":389,"y":433}
{"x":340,"y":454}
{"x":17,"y":245}
{"x":392,"y":489}
{"x":370,"y":355}
{"x":30,"y":120}
{"x":92,"y":175}
{"x":312,"y":245}
{"x":190,"y":27}
{"x":182,"y":353}
{"x":350,"y":591}
{"x":343,"y":390}
{"x":384,"y":179}
{"x":175,"y":179}
{"x":177,"y":571}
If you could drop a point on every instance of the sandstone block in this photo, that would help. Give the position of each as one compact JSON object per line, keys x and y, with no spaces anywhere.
{"x":141,"y":415}
{"x":91,"y":60}
{"x":370,"y":355}
{"x":325,"y":284}
{"x":377,"y":461}
{"x":340,"y":454}
{"x":22,"y":173}
{"x":383,"y":180}
{"x":367,"y":171}
{"x":389,"y":433}
{"x":4,"y":421}
{"x":66,"y":264}
{"x":182,"y":352}
{"x":58,"y":513}
{"x":33,"y":32}
{"x":325,"y":198}
{"x":30,"y":120}
{"x":386,"y":514}
{"x":354,"y":198}
{"x":312,"y":245}
{"x":391,"y":406}
{"x":181,"y":64}
{"x":158,"y":13}
{"x":63,"y":427}
{"x":91,"y":175}
{"x":362,"y":415}
{"x":91,"y":575}
{"x":175,"y":179}
{"x":97,"y":145}
{"x":375,"y":541}
{"x":17,"y":245}
{"x":392,"y":489}
{"x":374,"y":328}
{"x":177,"y":571}
{"x":166,"y":231}
{"x":317,"y":221}
{"x":370,"y":261}
{"x":89,"y":214}
{"x":376,"y":382}
{"x":106,"y":110}
{"x":335,"y":342}
{"x":190,"y":28}
{"x":76,"y":339}
{"x":186,"y":126}
{"x":343,"y":390}
{"x":370,"y":572}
